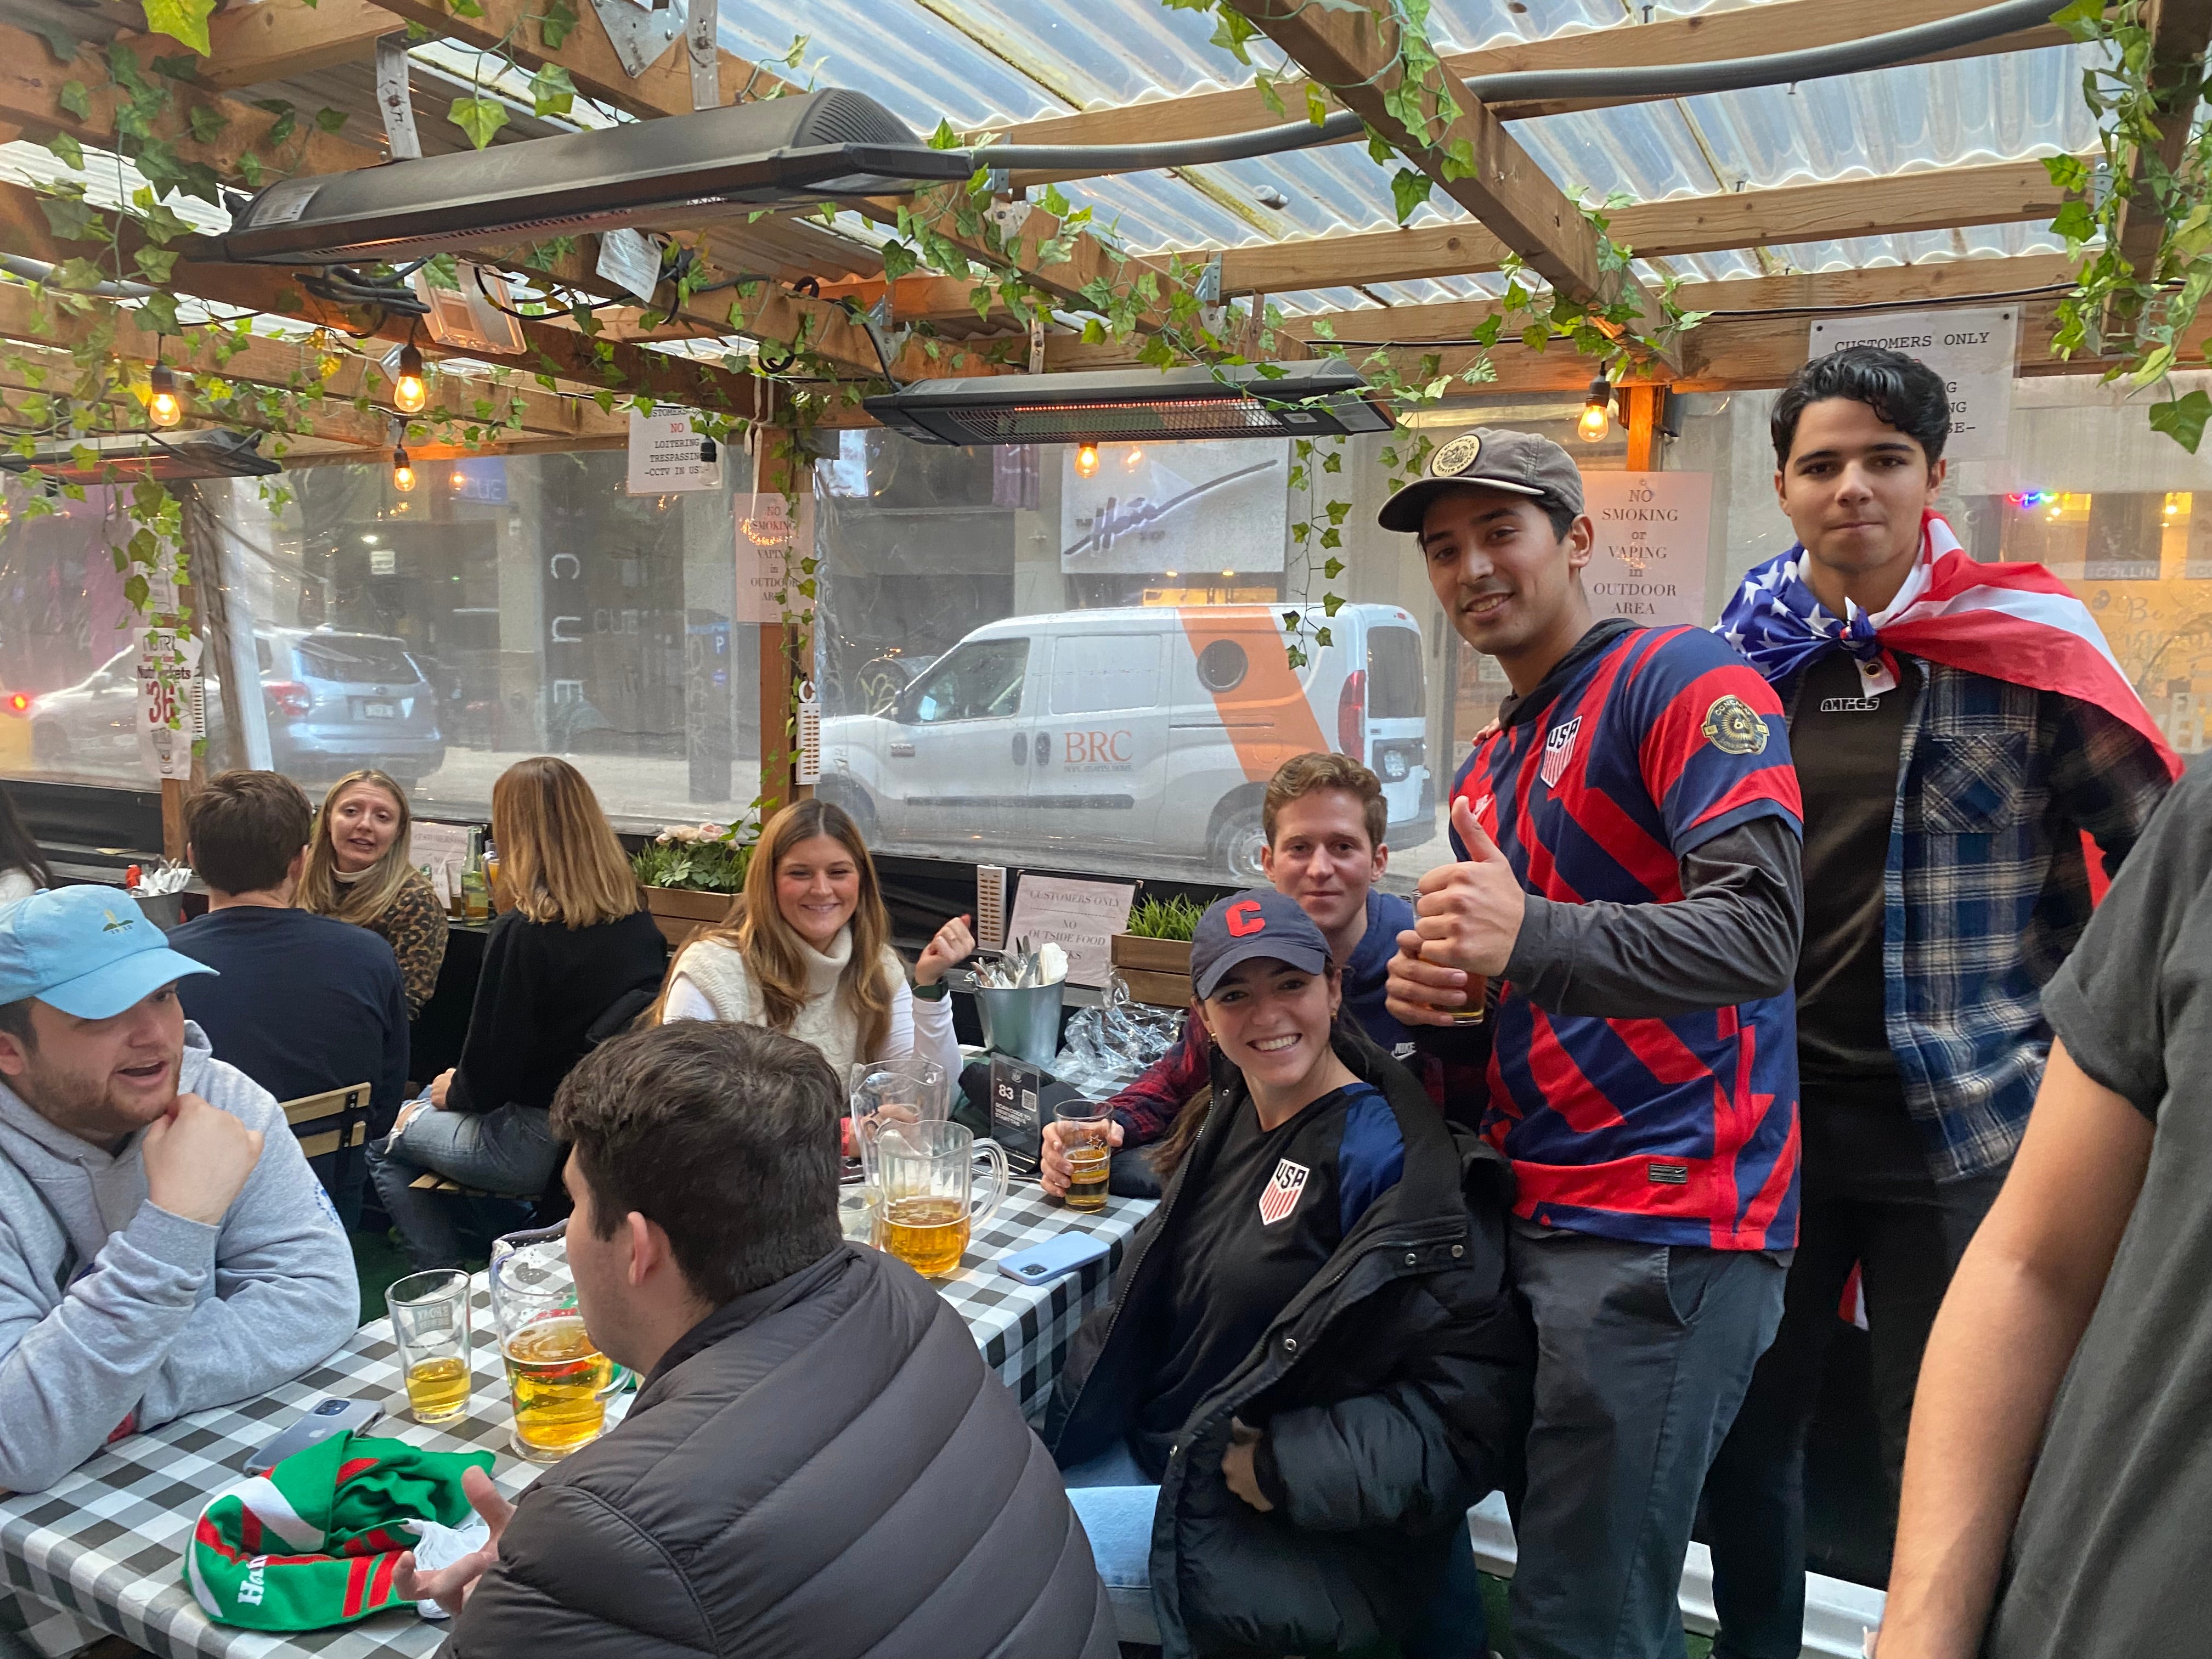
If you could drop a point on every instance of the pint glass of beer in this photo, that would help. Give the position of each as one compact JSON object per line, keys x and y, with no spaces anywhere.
{"x":558,"y":1379}
{"x":930,"y":1204}
{"x":1084,"y":1126}
{"x":430,"y":1324}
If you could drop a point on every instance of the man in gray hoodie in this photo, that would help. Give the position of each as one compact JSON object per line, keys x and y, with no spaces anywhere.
{"x":163,"y":1245}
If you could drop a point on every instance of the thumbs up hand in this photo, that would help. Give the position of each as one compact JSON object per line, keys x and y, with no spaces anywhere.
{"x":1469,"y":914}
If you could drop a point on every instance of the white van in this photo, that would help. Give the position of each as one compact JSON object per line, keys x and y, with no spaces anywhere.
{"x":1149,"y":730}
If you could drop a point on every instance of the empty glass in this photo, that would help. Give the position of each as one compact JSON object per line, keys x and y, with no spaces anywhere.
{"x":857,"y":1205}
{"x":910,"y":1090}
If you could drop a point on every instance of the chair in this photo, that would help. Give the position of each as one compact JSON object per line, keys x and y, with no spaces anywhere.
{"x":335,"y":1120}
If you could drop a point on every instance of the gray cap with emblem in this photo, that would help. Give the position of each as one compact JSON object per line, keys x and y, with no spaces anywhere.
{"x":1489,"y":458}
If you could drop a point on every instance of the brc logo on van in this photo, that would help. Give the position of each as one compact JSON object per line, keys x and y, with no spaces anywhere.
{"x":1104,"y":751}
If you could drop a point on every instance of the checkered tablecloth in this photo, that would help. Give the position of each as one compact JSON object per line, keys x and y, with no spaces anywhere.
{"x":107,"y":1544}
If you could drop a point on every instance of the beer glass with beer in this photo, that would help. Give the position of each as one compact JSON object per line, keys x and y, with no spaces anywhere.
{"x":430,"y":1323}
{"x":1083,"y":1125}
{"x":558,"y":1379}
{"x":930,"y":1207}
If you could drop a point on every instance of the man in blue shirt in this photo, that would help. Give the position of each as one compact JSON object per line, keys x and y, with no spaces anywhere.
{"x":299,"y":1003}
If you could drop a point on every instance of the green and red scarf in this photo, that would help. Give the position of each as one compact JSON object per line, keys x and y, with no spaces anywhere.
{"x":315,"y":1541}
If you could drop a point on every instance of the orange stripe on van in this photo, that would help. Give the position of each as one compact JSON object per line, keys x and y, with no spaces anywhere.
{"x":1266,"y":713}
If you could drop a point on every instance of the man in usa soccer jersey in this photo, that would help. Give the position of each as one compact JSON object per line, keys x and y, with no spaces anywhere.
{"x":1629,"y":891}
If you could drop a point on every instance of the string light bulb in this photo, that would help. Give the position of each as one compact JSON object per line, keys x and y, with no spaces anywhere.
{"x":408,"y":394}
{"x":164,"y":408}
{"x":1597,"y":412}
{"x":1086,"y":460}
{"x":403,"y":471}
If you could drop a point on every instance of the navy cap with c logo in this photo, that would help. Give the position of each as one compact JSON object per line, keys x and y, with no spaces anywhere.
{"x":1261,"y":923}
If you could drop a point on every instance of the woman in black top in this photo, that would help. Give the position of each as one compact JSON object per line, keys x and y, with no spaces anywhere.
{"x":572,"y":944}
{"x":1312,"y":1368}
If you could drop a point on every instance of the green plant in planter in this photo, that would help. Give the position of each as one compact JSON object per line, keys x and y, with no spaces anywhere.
{"x":705,"y":858}
{"x":1169,"y":919}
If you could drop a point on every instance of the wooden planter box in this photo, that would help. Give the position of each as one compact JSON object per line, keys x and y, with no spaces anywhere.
{"x":683,"y":911}
{"x":1156,"y":970}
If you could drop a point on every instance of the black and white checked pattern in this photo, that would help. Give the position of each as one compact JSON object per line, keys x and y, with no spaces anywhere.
{"x":107,"y":1543}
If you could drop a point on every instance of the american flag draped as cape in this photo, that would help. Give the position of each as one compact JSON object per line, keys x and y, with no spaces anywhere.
{"x":2015,"y":623}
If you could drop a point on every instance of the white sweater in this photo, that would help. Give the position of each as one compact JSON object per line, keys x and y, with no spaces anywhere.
{"x":711,"y":982}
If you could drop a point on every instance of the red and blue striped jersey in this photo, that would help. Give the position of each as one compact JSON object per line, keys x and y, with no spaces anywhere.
{"x":1674,"y":1130}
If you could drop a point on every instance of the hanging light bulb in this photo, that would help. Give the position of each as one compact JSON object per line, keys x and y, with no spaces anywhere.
{"x":164,"y":408}
{"x":1086,"y":460}
{"x":1597,"y":413}
{"x":408,"y":394}
{"x":403,"y":471}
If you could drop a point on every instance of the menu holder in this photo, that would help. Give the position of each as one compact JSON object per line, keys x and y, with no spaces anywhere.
{"x":1016,"y":1123}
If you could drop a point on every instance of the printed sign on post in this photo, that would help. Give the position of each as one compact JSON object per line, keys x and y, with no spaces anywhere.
{"x":767,"y":533}
{"x":1973,"y":351}
{"x":1648,"y":563}
{"x":666,"y":455}
{"x":1081,"y":917}
{"x":171,"y":702}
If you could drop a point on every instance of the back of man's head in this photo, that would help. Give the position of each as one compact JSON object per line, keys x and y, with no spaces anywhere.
{"x":246,"y":828}
{"x":724,"y":1135}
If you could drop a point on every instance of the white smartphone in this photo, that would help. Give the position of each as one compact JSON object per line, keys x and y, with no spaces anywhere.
{"x":318,"y":1423}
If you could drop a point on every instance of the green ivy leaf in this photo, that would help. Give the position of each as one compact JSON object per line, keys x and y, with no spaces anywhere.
{"x":551,"y":91}
{"x":75,"y":100}
{"x":329,"y":120}
{"x":68,"y":149}
{"x":80,"y":275}
{"x":181,"y":19}
{"x":160,"y":311}
{"x":59,"y":41}
{"x":553,"y":28}
{"x":479,"y":118}
{"x":71,"y":221}
{"x":157,"y":263}
{"x":205,"y":121}
{"x":1408,"y":190}
{"x":2077,"y":221}
{"x":2183,"y":419}
{"x":249,"y":169}
{"x":944,"y":137}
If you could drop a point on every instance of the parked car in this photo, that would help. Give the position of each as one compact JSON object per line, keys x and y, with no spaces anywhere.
{"x":333,"y":701}
{"x":1150,"y":727}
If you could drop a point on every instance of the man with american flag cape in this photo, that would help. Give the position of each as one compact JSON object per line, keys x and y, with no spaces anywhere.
{"x":1964,"y":742}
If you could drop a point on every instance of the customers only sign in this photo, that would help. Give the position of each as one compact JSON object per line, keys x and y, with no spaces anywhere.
{"x":1973,"y":351}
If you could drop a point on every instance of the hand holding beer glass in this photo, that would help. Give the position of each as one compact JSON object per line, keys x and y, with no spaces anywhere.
{"x":1084,"y":1134}
{"x":1467,"y":917}
{"x":559,"y":1380}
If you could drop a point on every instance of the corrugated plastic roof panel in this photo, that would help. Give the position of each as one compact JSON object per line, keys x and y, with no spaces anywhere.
{"x":981,"y":63}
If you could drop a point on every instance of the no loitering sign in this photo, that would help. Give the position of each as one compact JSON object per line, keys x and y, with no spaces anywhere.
{"x":1973,"y":351}
{"x":666,"y":455}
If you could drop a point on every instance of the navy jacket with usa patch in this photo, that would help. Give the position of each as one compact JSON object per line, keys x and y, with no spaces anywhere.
{"x":1394,"y":1392}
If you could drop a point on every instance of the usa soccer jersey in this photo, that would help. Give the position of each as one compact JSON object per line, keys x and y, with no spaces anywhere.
{"x":1680,"y":1130}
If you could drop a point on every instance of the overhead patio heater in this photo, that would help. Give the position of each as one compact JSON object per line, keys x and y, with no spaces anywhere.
{"x":211,"y":453}
{"x":777,"y":152}
{"x":1318,"y":400}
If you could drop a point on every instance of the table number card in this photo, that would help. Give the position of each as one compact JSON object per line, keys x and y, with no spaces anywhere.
{"x":1016,"y":1121}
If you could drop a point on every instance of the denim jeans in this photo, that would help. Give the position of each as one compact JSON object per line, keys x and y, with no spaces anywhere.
{"x":509,"y":1150}
{"x":1642,"y":1354}
{"x":1115,"y":1500}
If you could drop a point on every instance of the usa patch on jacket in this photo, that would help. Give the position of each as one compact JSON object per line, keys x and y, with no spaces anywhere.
{"x":1281,"y":1196}
{"x":1558,"y":749}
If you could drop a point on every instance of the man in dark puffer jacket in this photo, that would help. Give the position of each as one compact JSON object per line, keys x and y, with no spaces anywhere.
{"x":818,"y":1464}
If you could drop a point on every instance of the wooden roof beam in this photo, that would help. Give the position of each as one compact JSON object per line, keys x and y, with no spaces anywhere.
{"x":275,"y":40}
{"x":1504,"y":189}
{"x":1999,"y":193}
{"x":1711,"y":36}
{"x":2180,"y":30}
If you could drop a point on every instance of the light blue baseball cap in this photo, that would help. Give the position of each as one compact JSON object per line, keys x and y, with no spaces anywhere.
{"x":87,"y":951}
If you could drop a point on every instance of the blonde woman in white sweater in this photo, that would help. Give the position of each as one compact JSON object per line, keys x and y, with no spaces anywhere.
{"x":811,"y":956}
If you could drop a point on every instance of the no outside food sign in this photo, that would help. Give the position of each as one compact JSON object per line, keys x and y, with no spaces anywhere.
{"x":1973,"y":351}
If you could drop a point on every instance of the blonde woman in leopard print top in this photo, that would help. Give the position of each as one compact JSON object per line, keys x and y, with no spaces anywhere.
{"x":357,"y":872}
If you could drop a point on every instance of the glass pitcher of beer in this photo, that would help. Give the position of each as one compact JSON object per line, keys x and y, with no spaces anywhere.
{"x":558,"y":1377}
{"x":930,"y":1207}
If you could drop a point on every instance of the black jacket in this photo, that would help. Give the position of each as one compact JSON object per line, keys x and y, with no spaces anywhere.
{"x":821,"y":1470}
{"x":1394,"y":1390}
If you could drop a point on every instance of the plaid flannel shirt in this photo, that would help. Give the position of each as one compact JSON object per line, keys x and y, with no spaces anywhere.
{"x":1985,"y":891}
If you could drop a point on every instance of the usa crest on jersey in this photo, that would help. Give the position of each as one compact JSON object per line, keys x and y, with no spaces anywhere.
{"x":1281,"y":1196}
{"x":1558,"y":749}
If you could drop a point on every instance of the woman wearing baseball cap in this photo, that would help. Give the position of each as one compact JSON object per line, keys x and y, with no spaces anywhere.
{"x":1311,"y":1369}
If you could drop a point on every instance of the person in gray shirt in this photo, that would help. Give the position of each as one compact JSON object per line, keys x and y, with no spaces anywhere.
{"x":2056,"y":1487}
{"x":163,"y":1245}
